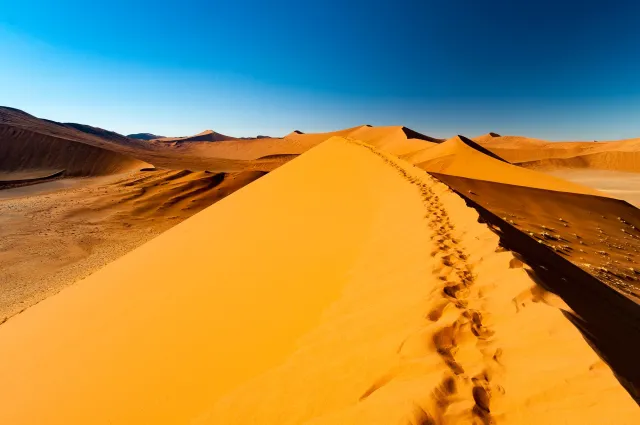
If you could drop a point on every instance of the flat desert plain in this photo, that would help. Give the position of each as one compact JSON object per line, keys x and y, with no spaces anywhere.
{"x":371,"y":275}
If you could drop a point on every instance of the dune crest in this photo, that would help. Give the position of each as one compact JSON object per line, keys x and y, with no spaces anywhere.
{"x":462,"y":157}
{"x":204,"y":136}
{"x":395,"y":308}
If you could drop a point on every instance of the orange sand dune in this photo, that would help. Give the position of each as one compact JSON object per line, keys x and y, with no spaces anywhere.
{"x":205,"y":136}
{"x":395,"y":139}
{"x":517,"y":149}
{"x":368,"y":294}
{"x":622,"y":155}
{"x":461,"y":157}
{"x":23,"y":151}
{"x":97,"y":151}
{"x":49,"y":239}
{"x":619,"y":156}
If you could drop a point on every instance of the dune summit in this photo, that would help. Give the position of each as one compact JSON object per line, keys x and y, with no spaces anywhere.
{"x":380,"y":299}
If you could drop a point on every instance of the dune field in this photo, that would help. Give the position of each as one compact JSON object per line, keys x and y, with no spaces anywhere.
{"x":371,"y":275}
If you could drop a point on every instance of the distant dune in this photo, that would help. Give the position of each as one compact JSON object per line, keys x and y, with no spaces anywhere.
{"x":623,"y":155}
{"x":24,"y":151}
{"x":397,"y":140}
{"x":205,"y":136}
{"x":29,"y":144}
{"x":144,"y":136}
{"x":462,"y":157}
{"x":618,"y":156}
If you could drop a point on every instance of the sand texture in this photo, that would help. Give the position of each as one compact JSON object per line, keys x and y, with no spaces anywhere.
{"x":364,"y":294}
{"x":371,"y":275}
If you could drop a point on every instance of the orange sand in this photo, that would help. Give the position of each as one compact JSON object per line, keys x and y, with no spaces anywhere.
{"x":458,"y":158}
{"x":621,"y":155}
{"x":367,"y":293}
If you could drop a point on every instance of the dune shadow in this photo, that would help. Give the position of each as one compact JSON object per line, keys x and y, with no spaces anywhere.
{"x":607,"y":315}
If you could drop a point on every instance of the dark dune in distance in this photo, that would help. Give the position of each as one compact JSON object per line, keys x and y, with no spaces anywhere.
{"x":144,"y":136}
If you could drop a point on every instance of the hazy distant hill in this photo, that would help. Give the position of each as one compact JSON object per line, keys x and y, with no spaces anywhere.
{"x":144,"y":136}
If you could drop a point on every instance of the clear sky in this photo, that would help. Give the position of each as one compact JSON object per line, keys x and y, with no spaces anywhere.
{"x":561,"y":70}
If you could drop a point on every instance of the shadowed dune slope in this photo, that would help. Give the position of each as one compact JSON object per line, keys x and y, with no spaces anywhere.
{"x":459,"y":158}
{"x":23,"y":151}
{"x":78,"y":140}
{"x":358,"y":306}
{"x":581,"y":247}
{"x":69,"y":131}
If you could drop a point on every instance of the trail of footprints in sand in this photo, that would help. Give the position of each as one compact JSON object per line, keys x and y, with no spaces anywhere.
{"x":455,"y":273}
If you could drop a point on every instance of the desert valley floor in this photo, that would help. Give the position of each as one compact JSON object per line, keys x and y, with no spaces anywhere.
{"x":371,"y":275}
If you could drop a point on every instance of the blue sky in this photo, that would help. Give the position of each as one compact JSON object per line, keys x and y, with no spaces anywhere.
{"x":549,"y":69}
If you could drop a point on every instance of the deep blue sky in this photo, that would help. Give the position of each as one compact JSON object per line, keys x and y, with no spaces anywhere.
{"x":551,"y":69}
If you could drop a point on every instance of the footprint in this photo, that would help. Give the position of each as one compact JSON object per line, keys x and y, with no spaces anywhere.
{"x":482,"y":407}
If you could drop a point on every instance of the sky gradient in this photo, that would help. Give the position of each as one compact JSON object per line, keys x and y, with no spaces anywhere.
{"x":548,"y":69}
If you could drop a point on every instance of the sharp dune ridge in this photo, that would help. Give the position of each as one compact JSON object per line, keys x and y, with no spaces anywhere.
{"x":409,"y":319}
{"x":367,"y":275}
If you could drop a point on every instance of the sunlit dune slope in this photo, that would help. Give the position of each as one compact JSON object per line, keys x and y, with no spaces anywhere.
{"x":621,"y":155}
{"x":359,"y":291}
{"x":259,"y":154}
{"x":205,"y":136}
{"x":396,"y":140}
{"x":50,"y":240}
{"x":459,"y":157}
{"x":520,"y":149}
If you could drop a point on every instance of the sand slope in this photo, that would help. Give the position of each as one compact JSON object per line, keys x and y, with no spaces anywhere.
{"x":396,"y":140}
{"x":23,"y":151}
{"x":460,"y":157}
{"x":205,"y":136}
{"x":363,"y":294}
{"x":617,"y":158}
{"x":51,"y":238}
{"x":86,"y":150}
{"x":622,"y":155}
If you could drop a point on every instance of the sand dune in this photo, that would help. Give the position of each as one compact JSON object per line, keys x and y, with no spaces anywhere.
{"x":51,"y":238}
{"x":69,"y":131}
{"x":259,"y":154}
{"x":622,"y":155}
{"x":394,"y":139}
{"x":618,"y":158}
{"x":227,"y":154}
{"x":22,"y":151}
{"x":205,"y":136}
{"x":144,"y":136}
{"x":461,"y":157}
{"x":347,"y":286}
{"x":378,"y":299}
{"x":78,"y":143}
